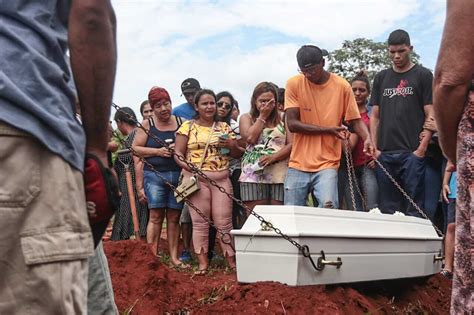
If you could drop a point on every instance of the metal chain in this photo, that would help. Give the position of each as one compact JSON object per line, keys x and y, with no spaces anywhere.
{"x":362,"y":197}
{"x":227,"y":241}
{"x":410,"y":200}
{"x":352,"y":175}
{"x":350,"y":168}
{"x":349,"y":173}
{"x":304,"y":249}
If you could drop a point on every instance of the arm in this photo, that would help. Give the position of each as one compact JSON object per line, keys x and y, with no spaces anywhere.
{"x":295,"y":125}
{"x":427,"y":134}
{"x":361,"y":130}
{"x":374,"y":126}
{"x":231,"y":143}
{"x":112,"y":146}
{"x":140,"y":141}
{"x":180,"y":149}
{"x":453,"y":72}
{"x":250,"y":130}
{"x":236,"y":151}
{"x":446,"y":178}
{"x":281,"y":154}
{"x":93,"y":59}
{"x":353,"y":139}
{"x":139,"y":179}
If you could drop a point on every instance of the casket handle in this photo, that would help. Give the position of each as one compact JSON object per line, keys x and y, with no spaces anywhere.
{"x":438,"y":257}
{"x":322,"y":262}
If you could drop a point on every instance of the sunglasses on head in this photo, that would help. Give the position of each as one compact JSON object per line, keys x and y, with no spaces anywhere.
{"x":224,"y":104}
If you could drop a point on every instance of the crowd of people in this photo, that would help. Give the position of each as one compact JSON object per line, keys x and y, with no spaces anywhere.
{"x":298,"y":145}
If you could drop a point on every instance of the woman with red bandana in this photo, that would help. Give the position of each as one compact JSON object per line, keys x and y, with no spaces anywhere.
{"x":159,"y":170}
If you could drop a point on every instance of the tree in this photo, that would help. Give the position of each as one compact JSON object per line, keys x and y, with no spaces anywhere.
{"x":358,"y":54}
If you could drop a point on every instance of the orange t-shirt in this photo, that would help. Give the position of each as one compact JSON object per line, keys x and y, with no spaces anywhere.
{"x":325,"y":105}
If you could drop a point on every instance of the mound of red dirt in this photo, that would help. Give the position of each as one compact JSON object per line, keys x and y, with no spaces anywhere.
{"x":144,"y":285}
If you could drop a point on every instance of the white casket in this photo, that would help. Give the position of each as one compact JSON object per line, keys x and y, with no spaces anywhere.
{"x":370,"y":246}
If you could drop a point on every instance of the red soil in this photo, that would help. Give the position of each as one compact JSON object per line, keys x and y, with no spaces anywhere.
{"x":147,"y":286}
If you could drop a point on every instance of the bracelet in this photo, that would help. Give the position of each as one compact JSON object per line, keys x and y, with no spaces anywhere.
{"x":262,"y":120}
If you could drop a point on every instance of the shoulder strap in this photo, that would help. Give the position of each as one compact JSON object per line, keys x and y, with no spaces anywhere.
{"x":191,"y":124}
{"x":179,"y":120}
{"x":151,"y":122}
{"x":207,"y":145}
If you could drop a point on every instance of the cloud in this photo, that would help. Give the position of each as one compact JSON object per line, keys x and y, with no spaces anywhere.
{"x":233,"y":45}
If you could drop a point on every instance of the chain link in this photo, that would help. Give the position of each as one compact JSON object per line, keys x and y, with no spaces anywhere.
{"x":349,"y":173}
{"x":351,"y":169}
{"x":352,"y":175}
{"x":410,"y":200}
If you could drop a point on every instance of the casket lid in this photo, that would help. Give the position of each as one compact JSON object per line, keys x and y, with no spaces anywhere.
{"x":297,"y":221}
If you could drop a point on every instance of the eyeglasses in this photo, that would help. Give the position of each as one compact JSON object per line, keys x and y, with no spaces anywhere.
{"x":226,"y":106}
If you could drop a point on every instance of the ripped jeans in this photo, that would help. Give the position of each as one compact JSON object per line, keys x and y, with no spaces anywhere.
{"x":322,"y":184}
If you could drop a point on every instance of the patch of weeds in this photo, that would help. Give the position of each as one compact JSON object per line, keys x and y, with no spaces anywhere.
{"x":218,"y":262}
{"x":129,"y":310}
{"x":165,"y":259}
{"x":214,"y":295}
{"x":417,"y":309}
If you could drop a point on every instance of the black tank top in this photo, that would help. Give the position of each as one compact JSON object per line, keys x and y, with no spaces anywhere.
{"x":161,"y":164}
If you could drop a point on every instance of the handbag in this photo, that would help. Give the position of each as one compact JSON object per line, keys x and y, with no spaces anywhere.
{"x":191,"y":185}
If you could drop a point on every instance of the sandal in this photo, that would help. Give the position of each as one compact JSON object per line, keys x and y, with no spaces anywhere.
{"x":200,"y":272}
{"x":446,"y":273}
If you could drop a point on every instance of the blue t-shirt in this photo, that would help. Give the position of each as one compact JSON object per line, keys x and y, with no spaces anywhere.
{"x":453,"y":187}
{"x":36,"y":90}
{"x":185,"y":111}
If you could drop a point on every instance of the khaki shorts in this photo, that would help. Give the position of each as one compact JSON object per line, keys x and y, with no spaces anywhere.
{"x":45,"y":238}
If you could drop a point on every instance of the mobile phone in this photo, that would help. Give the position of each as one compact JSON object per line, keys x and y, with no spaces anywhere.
{"x":224,"y":151}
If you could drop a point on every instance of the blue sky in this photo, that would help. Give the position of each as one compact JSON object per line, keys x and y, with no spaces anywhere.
{"x":233,"y":45}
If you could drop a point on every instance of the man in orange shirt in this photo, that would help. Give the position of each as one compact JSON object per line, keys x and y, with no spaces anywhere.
{"x":316,"y":104}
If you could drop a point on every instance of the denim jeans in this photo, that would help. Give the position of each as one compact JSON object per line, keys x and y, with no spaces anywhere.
{"x":322,"y":184}
{"x":367,"y":182}
{"x":409,"y":171}
{"x":433,"y":184}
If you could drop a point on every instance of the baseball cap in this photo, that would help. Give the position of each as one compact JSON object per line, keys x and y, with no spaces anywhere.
{"x":310,"y":55}
{"x":190,"y":85}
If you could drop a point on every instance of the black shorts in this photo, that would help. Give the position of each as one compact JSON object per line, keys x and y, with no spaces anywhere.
{"x":452,"y":211}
